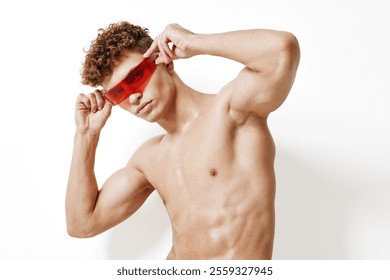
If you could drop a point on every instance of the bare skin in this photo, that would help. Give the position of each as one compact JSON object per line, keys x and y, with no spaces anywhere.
{"x":213,"y":168}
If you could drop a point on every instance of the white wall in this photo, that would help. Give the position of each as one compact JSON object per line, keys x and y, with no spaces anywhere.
{"x":332,"y":133}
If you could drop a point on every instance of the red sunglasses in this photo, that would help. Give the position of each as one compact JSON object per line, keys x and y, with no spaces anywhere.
{"x":134,"y":82}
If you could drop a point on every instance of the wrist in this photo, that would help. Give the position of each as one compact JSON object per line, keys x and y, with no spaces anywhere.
{"x":192,"y":44}
{"x":87,"y":130}
{"x":87,"y":135}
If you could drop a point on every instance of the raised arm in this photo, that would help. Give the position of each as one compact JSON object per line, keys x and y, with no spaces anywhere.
{"x":271,"y":60}
{"x":90,"y":211}
{"x":270,"y":57}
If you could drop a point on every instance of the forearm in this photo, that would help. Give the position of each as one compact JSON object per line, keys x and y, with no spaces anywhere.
{"x":258,"y":49}
{"x":82,"y":188}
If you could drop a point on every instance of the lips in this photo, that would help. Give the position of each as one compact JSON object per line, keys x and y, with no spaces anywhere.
{"x":143,"y":105}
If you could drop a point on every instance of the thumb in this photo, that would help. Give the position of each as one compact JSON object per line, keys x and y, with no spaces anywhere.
{"x":107,"y":109}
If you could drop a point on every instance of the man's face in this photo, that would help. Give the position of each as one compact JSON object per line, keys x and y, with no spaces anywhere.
{"x":146,"y":102}
{"x":134,"y":82}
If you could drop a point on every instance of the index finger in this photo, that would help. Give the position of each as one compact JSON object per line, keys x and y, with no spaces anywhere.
{"x":153,"y":47}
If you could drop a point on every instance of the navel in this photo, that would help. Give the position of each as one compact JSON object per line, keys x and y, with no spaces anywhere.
{"x":213,"y":172}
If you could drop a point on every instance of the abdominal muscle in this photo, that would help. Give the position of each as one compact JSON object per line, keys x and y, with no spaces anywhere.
{"x":223,"y":224}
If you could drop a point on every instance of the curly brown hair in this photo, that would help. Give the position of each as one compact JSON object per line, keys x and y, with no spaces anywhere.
{"x":107,"y":49}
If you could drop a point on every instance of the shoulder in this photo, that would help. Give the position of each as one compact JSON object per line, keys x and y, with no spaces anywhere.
{"x":224,"y":103}
{"x":151,"y":143}
{"x":145,"y":152}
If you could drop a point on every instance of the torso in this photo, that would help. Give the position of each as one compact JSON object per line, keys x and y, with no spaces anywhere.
{"x":217,"y":182}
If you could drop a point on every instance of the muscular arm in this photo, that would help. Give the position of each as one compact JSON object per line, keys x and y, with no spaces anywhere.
{"x":270,"y":57}
{"x":90,"y":211}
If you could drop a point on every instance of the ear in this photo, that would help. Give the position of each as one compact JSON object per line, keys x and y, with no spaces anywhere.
{"x":170,"y":67}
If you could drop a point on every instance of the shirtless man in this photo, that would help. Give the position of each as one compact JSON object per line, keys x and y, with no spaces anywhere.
{"x":214,"y":167}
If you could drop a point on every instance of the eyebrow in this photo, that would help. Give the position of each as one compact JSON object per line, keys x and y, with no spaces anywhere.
{"x":128,"y":73}
{"x":124,"y":77}
{"x":131,"y":69}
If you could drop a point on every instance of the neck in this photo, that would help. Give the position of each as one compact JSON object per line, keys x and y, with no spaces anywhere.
{"x":185,"y":106}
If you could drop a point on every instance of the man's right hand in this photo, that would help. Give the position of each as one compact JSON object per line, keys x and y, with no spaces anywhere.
{"x":179,"y":37}
{"x":91,"y":113}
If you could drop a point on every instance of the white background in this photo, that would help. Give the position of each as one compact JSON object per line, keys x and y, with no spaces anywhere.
{"x":332,"y":133}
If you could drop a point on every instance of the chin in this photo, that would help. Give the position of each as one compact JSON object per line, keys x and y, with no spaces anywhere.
{"x":152,"y":118}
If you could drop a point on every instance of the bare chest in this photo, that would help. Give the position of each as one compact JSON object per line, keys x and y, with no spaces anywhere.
{"x":211,"y":157}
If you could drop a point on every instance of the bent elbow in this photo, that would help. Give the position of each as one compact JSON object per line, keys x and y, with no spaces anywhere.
{"x":72,"y":232}
{"x":75,"y":233}
{"x":79,"y":234}
{"x":290,"y":48}
{"x":78,"y":231}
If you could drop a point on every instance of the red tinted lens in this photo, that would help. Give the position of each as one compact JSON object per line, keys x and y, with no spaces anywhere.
{"x":134,"y":82}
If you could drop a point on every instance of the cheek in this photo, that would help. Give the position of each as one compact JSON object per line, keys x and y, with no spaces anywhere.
{"x":155,"y":81}
{"x":163,"y":84}
{"x":160,"y":78}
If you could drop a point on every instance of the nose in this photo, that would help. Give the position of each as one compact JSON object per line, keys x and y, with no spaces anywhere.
{"x":135,"y":98}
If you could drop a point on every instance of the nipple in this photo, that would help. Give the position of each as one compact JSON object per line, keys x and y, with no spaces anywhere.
{"x":213,"y":172}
